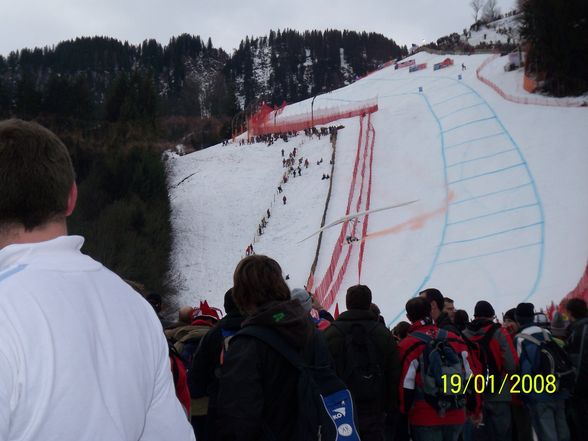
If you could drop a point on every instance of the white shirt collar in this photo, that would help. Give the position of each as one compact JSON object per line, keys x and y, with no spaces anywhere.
{"x":55,"y":252}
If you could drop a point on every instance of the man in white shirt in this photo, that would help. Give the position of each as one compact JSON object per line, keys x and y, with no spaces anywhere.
{"x":82,"y":355}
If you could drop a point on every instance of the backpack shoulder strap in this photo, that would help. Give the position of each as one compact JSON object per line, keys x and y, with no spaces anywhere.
{"x":489,"y":334}
{"x":275,"y":341}
{"x":529,"y":338}
{"x":422,"y":336}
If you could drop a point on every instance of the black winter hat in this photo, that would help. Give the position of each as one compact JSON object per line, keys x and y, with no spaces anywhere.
{"x":510,"y":315}
{"x":525,"y":312}
{"x":229,"y":303}
{"x":484,"y":309}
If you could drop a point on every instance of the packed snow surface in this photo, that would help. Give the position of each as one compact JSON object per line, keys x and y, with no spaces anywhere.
{"x":501,"y":209}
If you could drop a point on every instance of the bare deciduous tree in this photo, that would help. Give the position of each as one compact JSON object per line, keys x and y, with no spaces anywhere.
{"x":491,"y":11}
{"x":476,"y":6}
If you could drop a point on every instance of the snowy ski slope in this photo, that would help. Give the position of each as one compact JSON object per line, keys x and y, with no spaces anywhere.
{"x":501,"y":212}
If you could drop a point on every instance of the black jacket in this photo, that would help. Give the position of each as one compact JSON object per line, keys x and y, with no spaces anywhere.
{"x":578,"y":353}
{"x":203,"y":374}
{"x":258,"y":387}
{"x":383,"y":340}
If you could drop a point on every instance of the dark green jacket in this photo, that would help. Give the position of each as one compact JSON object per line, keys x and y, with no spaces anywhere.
{"x":384,"y":342}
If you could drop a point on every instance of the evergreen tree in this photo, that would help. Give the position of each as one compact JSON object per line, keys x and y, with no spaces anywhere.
{"x":557,"y":35}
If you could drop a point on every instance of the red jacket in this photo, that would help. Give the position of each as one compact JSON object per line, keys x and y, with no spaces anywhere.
{"x":420,"y":412}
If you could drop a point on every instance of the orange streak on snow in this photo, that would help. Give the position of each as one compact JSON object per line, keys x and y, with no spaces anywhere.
{"x":416,"y":223}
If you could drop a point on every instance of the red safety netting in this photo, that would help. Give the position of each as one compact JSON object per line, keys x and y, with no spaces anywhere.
{"x":367,"y":206}
{"x":332,"y":294}
{"x":329,"y":286}
{"x":264,"y":122}
{"x":539,"y":101}
{"x":580,"y":291}
{"x":323,"y":286}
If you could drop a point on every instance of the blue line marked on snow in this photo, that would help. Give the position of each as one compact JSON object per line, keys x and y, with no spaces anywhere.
{"x":461,"y":109}
{"x":477,"y":256}
{"x":494,"y":213}
{"x":481,"y":157}
{"x":498,"y":233}
{"x":536,"y":192}
{"x":450,"y":99}
{"x":469,"y":123}
{"x":493,"y":172}
{"x":531,"y":182}
{"x":474,"y":140}
{"x":492,"y":193}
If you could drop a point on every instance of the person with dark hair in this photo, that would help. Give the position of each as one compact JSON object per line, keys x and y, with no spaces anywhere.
{"x":202,"y":376}
{"x":509,"y":322}
{"x":498,"y":358}
{"x":400,"y":331}
{"x":577,"y":348}
{"x":521,"y":420}
{"x":82,"y":355}
{"x":366,"y":359}
{"x":461,"y":319}
{"x":547,"y":410}
{"x":258,"y":387}
{"x":449,"y":308}
{"x":376,"y":310}
{"x":428,"y":419}
{"x":439,"y":316}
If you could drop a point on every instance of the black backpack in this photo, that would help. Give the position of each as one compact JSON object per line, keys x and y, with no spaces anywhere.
{"x":479,"y":347}
{"x":363,"y":364}
{"x":552,"y":360}
{"x":325,"y":409}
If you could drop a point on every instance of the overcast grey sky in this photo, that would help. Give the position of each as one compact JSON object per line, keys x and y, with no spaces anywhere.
{"x":30,"y":23}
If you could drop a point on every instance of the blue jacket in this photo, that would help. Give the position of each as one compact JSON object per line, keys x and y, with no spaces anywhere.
{"x":529,"y":357}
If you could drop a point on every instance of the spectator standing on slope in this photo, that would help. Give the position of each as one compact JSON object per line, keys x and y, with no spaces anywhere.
{"x":203,"y":374}
{"x":366,"y":359}
{"x":258,"y":386}
{"x":96,"y":364}
{"x":577,"y":348}
{"x":547,"y":410}
{"x":498,"y":359}
{"x":440,"y":317}
{"x":521,"y":420}
{"x":449,"y":308}
{"x":429,"y":418}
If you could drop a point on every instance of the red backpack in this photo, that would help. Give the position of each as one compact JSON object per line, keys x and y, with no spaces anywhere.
{"x":482,"y":359}
{"x":180,"y":379}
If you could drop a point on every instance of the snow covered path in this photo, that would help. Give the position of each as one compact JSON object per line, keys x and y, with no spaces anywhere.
{"x":501,"y":209}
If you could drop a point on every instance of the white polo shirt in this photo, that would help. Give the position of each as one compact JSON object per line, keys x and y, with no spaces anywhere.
{"x":82,"y":355}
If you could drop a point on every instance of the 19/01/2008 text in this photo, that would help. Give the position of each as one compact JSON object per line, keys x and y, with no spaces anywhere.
{"x":526,"y":384}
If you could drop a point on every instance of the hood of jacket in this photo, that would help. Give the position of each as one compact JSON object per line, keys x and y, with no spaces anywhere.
{"x":232,"y":321}
{"x":356,"y":315}
{"x":288,"y":318}
{"x":479,"y":326}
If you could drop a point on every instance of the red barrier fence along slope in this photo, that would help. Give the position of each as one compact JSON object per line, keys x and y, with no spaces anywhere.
{"x":580,"y":291}
{"x":367,"y":206}
{"x":262,"y":122}
{"x":536,"y":100}
{"x":358,"y":197}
